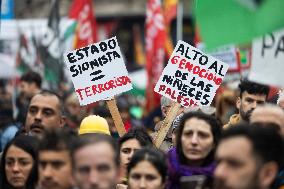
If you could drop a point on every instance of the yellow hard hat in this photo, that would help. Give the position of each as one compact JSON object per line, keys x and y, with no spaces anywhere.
{"x":94,"y":124}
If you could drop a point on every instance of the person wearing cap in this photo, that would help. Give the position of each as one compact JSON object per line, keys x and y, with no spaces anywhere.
{"x":94,"y":124}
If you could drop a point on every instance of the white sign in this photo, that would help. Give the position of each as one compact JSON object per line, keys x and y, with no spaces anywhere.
{"x":227,"y":54}
{"x":191,"y":77}
{"x":268,"y":59}
{"x":98,"y":71}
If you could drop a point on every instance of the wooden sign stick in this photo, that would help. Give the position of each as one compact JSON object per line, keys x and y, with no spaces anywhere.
{"x":116,"y":116}
{"x":166,"y":125}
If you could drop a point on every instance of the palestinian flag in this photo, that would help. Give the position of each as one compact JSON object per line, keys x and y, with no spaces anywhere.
{"x":51,"y":50}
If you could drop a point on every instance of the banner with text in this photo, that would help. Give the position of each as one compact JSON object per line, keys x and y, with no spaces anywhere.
{"x":98,"y":71}
{"x":191,"y":77}
{"x":227,"y":54}
{"x":268,"y":59}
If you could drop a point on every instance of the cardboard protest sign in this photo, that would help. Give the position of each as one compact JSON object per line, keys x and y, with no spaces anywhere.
{"x":268,"y":59}
{"x":98,"y":71}
{"x":191,"y":77}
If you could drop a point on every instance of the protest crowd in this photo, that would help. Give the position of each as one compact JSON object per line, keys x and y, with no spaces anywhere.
{"x":193,"y":128}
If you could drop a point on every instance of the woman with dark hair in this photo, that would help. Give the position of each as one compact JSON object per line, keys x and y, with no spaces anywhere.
{"x":133,"y":140}
{"x":19,"y":164}
{"x":147,"y":169}
{"x":197,"y":138}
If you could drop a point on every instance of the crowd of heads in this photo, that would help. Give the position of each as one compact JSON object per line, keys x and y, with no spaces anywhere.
{"x":51,"y":150}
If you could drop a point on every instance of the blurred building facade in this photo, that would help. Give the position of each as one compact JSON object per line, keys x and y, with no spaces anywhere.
{"x":102,"y":8}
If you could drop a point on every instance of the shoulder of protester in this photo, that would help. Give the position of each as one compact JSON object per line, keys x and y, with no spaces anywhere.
{"x":234,"y":119}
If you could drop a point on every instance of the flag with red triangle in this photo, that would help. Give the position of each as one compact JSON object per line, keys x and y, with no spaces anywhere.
{"x":155,"y":50}
{"x":82,"y":11}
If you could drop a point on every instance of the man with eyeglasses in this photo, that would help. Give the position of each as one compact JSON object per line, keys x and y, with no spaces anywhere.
{"x":95,"y":162}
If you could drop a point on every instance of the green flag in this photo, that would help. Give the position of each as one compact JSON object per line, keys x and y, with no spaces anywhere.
{"x":237,"y":21}
{"x":21,"y":62}
{"x":51,"y":49}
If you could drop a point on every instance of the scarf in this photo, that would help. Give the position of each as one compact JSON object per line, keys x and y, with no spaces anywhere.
{"x":177,"y":170}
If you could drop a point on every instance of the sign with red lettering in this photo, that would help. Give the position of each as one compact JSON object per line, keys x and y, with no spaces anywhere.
{"x":191,"y":77}
{"x":98,"y":71}
{"x":268,"y":59}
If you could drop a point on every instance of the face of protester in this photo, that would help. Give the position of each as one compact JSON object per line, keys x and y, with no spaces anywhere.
{"x":74,"y":108}
{"x":197,"y":140}
{"x":145,"y":176}
{"x":55,"y":170}
{"x":127,"y":150}
{"x":18,"y":165}
{"x":27,"y":89}
{"x":240,"y":169}
{"x":43,"y":114}
{"x":281,"y":103}
{"x":95,"y":167}
{"x":248,"y":103}
{"x":165,"y":110}
{"x":269,"y":115}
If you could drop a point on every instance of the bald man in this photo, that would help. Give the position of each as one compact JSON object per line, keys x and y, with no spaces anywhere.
{"x":269,"y":113}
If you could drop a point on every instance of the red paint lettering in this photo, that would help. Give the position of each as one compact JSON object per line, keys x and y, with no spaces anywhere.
{"x":201,"y":72}
{"x":196,"y":70}
{"x":111,"y":84}
{"x":182,"y":63}
{"x":78,"y":91}
{"x":162,"y":88}
{"x":174,"y":60}
{"x":87,"y":91}
{"x":188,"y":66}
{"x":168,"y":91}
{"x":210,"y":76}
{"x":100,"y":86}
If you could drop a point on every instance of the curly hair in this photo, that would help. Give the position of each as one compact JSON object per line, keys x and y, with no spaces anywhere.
{"x":253,"y":88}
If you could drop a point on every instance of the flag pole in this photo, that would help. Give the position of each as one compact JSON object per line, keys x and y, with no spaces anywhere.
{"x":179,"y":19}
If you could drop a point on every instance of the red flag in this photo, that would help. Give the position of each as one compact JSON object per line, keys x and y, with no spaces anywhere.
{"x":170,"y":13}
{"x":139,"y":53}
{"x":82,"y":11}
{"x":155,"y":50}
{"x":170,"y":10}
{"x":197,"y":38}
